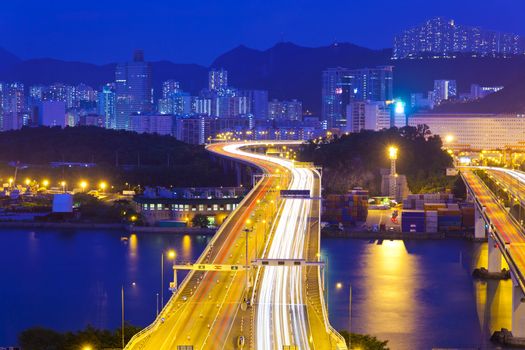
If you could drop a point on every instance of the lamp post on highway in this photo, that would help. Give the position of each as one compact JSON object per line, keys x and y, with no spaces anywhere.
{"x":247,"y":231}
{"x":122,"y":312}
{"x":339,"y":286}
{"x":122,"y":305}
{"x":171,"y":256}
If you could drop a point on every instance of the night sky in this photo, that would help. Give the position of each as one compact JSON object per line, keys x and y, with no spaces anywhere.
{"x":196,"y":31}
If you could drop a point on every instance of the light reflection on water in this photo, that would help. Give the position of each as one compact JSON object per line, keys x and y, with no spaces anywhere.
{"x":418,"y":295}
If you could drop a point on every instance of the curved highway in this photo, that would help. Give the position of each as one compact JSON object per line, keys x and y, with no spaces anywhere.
{"x":207,"y":312}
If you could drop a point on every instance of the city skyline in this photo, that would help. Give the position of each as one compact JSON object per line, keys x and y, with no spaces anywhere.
{"x":121,"y":29}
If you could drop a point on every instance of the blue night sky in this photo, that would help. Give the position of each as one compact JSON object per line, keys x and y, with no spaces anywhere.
{"x":196,"y":31}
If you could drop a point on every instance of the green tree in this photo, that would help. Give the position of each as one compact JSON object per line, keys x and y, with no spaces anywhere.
{"x":200,"y":220}
{"x":364,"y":341}
{"x":45,"y":339}
{"x":41,"y":339}
{"x":358,"y":159}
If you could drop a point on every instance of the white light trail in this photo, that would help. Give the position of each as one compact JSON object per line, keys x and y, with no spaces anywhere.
{"x":281,"y":311}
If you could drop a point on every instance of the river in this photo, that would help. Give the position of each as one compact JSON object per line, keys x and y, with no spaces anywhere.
{"x":417,"y":295}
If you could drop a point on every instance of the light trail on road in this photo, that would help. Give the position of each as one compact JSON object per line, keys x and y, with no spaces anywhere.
{"x":281,"y":316}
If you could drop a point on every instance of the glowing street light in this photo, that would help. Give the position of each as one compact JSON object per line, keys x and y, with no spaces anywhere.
{"x":28,"y":182}
{"x":171,"y":255}
{"x":45,"y":183}
{"x":392,"y":152}
{"x":63,"y":184}
{"x":87,"y":347}
{"x":103,"y":185}
{"x":449,"y":138}
{"x":83,"y":185}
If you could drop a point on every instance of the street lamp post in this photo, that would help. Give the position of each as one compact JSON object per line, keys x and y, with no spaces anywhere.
{"x":339,"y":285}
{"x":350,"y":318}
{"x":171,"y":256}
{"x":392,"y":154}
{"x":122,"y":304}
{"x":246,"y":231}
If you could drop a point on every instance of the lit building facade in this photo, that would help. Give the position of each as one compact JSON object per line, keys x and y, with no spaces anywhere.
{"x":440,"y":37}
{"x":443,"y":90}
{"x":218,"y":80}
{"x":133,"y":89}
{"x":340,"y":86}
{"x":106,"y":106}
{"x":161,"y":124}
{"x":474,"y":131}
{"x":285,"y":110}
{"x":12,"y":109}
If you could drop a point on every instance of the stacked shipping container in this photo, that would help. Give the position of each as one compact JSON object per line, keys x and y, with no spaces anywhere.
{"x":347,"y":208}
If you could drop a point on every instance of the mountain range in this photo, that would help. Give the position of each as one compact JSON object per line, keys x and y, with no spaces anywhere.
{"x":290,"y":71}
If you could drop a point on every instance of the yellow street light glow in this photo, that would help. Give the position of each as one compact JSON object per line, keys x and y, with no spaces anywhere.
{"x":103,"y":185}
{"x":83,"y":184}
{"x":62,"y":183}
{"x":133,"y":218}
{"x":87,"y":347}
{"x":339,"y":285}
{"x":28,"y":182}
{"x":172,"y":254}
{"x":45,"y":183}
{"x":392,"y":152}
{"x":10,"y":180}
{"x":449,"y":138}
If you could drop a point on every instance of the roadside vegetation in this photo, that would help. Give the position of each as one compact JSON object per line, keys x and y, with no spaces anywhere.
{"x":38,"y":338}
{"x":364,"y":341}
{"x":119,"y":157}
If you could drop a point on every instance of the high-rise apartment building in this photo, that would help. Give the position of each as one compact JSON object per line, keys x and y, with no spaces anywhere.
{"x":335,"y":96}
{"x":285,"y":110}
{"x":218,"y":80}
{"x":378,"y":116}
{"x":443,"y":90}
{"x":133,"y":89}
{"x":170,"y":87}
{"x":370,"y":84}
{"x":342,"y":86}
{"x":107,"y":106}
{"x":177,"y":103}
{"x":257,"y":102}
{"x":13,"y":106}
{"x":440,"y":37}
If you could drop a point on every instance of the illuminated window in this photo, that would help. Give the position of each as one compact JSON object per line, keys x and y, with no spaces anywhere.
{"x":215,"y":207}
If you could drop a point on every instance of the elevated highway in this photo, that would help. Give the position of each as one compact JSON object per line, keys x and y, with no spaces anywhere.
{"x":506,"y":238}
{"x":270,"y":307}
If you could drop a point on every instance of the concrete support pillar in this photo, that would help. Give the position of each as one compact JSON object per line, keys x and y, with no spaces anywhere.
{"x":494,"y":255}
{"x":518,"y":310}
{"x":479,"y":230}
